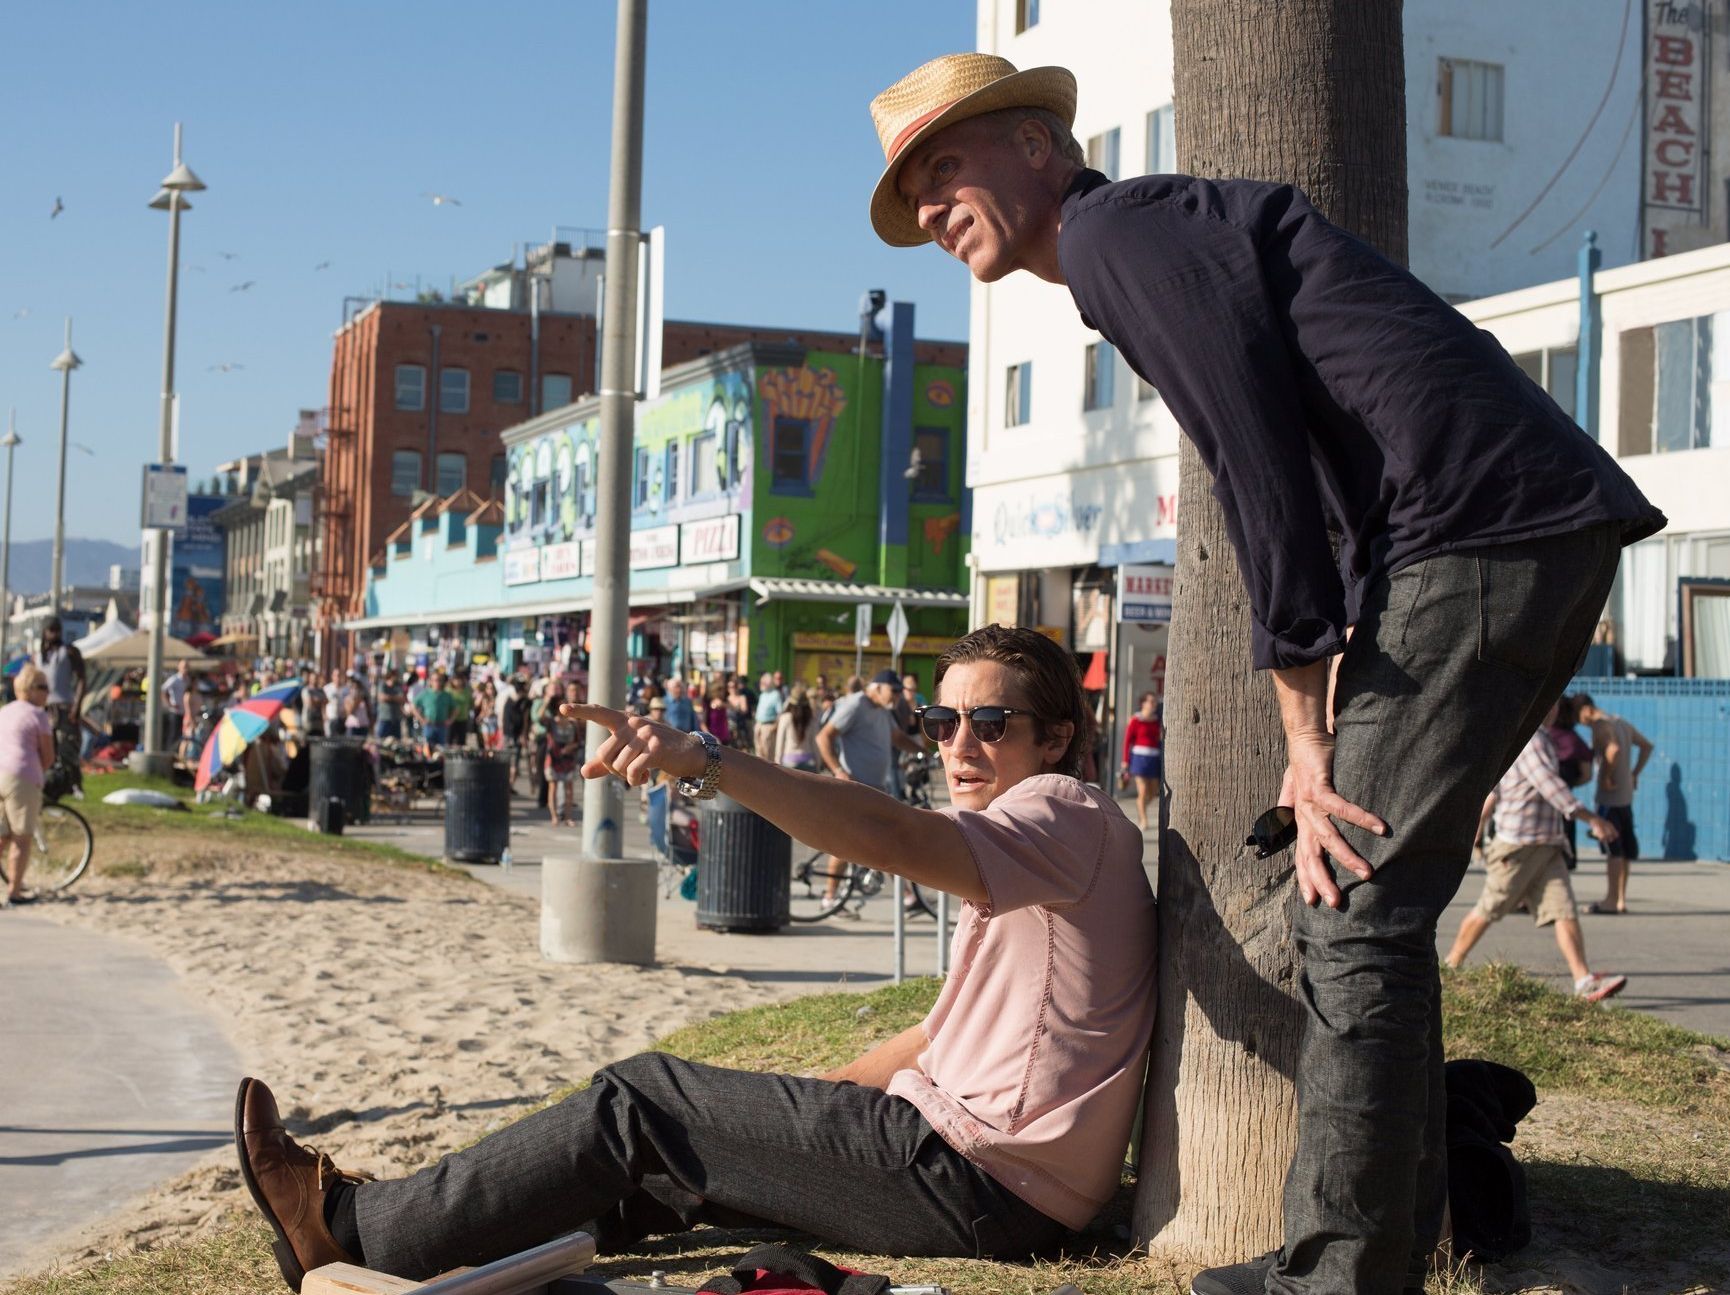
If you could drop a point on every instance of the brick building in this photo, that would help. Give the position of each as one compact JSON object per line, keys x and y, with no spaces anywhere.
{"x":420,"y":391}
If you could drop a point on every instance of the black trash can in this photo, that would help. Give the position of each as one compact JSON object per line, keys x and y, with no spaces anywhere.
{"x":477,"y":806}
{"x":744,"y":867}
{"x":340,"y":771}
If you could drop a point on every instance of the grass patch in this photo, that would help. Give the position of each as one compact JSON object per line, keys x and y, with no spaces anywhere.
{"x":239,"y":829}
{"x":1643,"y":1182}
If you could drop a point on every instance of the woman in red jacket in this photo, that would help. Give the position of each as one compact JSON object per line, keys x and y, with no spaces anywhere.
{"x":1141,"y":754}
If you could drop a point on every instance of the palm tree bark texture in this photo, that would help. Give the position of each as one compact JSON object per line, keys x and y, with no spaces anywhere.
{"x":1311,"y":93}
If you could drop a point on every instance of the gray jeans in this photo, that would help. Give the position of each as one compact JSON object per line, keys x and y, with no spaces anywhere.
{"x":1452,"y":666}
{"x":656,"y":1145}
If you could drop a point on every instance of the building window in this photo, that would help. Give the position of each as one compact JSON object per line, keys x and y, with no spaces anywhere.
{"x":1026,"y":15}
{"x":1470,"y":99}
{"x":1161,"y":141}
{"x":453,"y":472}
{"x":1101,"y":365}
{"x":1554,"y":370}
{"x":453,"y":391}
{"x":499,"y":474}
{"x":555,"y":390}
{"x":640,"y":486}
{"x":1103,"y":152}
{"x":411,"y":386}
{"x":703,"y":466}
{"x":507,"y":387}
{"x":931,"y":446}
{"x":1018,"y":395}
{"x":1675,"y":386}
{"x":404,"y":473}
{"x":671,"y":480}
{"x":789,"y":457}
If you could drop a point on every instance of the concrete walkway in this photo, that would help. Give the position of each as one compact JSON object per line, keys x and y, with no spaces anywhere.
{"x":114,"y":1079}
{"x":1674,"y":946}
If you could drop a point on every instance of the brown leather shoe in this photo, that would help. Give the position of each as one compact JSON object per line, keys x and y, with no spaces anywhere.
{"x":288,"y":1183}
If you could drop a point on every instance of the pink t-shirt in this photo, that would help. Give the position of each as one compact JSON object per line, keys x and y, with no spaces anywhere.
{"x":1038,"y":1041}
{"x":20,"y":753}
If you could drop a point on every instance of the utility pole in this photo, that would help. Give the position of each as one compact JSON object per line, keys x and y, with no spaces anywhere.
{"x":11,"y":442}
{"x":63,"y":363}
{"x":567,"y":932}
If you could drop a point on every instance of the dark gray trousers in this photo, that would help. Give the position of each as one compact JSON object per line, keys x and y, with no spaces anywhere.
{"x":656,"y":1144}
{"x":1451,"y":668}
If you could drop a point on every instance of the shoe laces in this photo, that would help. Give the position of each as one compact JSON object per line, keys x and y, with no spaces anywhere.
{"x":329,"y":1174}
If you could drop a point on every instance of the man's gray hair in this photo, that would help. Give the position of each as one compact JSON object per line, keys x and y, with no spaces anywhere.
{"x":1062,"y":139}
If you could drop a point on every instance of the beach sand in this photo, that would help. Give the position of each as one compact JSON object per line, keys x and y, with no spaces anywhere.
{"x":398,"y":1013}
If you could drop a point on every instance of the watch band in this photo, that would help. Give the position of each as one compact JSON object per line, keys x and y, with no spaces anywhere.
{"x":706,"y":787}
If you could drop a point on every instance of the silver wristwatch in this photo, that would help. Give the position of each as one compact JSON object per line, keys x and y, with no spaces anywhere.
{"x":706,"y":787}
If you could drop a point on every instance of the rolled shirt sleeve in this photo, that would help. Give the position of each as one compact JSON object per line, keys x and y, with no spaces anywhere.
{"x":1181,"y":294}
{"x":1039,"y":845}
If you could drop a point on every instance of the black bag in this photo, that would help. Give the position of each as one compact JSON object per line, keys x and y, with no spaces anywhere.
{"x":60,"y":780}
{"x":782,"y":1270}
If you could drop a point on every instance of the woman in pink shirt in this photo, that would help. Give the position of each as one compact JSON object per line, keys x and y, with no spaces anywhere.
{"x":990,"y":1128}
{"x":26,"y":752}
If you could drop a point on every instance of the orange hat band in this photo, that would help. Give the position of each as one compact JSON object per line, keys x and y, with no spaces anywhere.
{"x":913,"y":127}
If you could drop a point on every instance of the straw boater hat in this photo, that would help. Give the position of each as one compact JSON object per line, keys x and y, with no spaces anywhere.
{"x":942,"y":92}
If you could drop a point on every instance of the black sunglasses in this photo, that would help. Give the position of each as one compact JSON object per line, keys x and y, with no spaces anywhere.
{"x":1274,"y":831}
{"x":989,"y":723}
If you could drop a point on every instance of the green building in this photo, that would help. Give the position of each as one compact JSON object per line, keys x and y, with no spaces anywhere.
{"x":774,"y":491}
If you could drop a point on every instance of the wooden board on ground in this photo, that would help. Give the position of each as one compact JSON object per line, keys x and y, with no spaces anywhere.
{"x":350,"y":1279}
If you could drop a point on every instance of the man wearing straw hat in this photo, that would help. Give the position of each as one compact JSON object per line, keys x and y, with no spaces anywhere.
{"x":1328,"y":392}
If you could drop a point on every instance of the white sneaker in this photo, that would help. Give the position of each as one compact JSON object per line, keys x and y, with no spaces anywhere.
{"x":1596,"y":988}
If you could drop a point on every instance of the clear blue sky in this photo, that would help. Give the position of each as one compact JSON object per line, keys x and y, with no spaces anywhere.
{"x":318,"y":126}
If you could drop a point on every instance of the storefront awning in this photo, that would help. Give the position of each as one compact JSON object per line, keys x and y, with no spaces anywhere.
{"x":769,"y":588}
{"x":546,"y":607}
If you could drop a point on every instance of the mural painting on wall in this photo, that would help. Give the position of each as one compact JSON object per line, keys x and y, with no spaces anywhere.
{"x":939,"y":530}
{"x":693,"y":459}
{"x":800,"y":408}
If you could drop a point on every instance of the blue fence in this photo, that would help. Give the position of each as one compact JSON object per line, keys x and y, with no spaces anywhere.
{"x":1682,"y":810}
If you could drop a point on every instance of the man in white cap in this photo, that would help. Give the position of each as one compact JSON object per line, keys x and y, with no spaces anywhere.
{"x":1478,"y":530}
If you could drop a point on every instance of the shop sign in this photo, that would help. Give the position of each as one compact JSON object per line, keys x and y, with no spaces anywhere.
{"x":1002,"y":599}
{"x":1678,"y":124}
{"x":522,"y":566}
{"x":654,"y":548}
{"x":1144,"y":594}
{"x":915,"y":645}
{"x":714,"y":539}
{"x":560,"y":561}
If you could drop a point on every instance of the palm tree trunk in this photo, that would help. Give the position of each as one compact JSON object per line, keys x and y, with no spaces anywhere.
{"x":1312,"y":93}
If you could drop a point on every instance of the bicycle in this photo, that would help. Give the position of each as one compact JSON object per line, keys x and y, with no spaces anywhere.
{"x":809,"y":899}
{"x":60,"y":850}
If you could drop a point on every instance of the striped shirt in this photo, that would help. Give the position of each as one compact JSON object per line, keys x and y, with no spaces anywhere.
{"x":1532,"y":801}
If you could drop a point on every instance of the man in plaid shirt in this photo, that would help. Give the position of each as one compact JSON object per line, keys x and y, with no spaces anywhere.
{"x":1526,"y":863}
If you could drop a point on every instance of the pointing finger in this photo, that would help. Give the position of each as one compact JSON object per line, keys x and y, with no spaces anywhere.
{"x":605,"y":716}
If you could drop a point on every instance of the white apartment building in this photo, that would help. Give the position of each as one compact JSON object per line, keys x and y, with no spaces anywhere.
{"x":1523,"y":132}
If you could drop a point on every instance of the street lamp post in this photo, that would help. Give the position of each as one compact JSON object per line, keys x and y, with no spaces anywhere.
{"x":172,"y":199}
{"x":65,"y":362}
{"x":11,"y":442}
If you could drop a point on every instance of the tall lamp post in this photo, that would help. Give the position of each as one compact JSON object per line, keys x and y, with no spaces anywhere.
{"x":11,"y":442}
{"x":172,"y":199}
{"x":64,"y":363}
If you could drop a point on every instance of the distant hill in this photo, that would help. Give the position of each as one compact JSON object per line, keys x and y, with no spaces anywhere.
{"x":87,"y":563}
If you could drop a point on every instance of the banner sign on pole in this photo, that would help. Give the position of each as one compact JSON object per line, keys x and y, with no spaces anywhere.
{"x":165,"y":493}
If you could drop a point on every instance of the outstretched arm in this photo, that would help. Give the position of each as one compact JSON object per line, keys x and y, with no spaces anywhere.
{"x":841,"y":817}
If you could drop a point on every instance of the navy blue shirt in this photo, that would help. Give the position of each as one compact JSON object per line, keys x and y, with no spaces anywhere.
{"x":1325,"y":389}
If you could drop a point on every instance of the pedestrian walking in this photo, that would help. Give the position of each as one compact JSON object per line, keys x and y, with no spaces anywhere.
{"x":770,"y":701}
{"x":1143,"y":755}
{"x":795,"y":734}
{"x":1338,"y":404}
{"x":26,"y":755}
{"x":1526,"y":865}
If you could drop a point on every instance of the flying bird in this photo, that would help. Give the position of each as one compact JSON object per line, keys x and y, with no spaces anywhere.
{"x":23,"y":312}
{"x":229,"y":256}
{"x":242,"y":287}
{"x":322,"y":265}
{"x":82,"y":449}
{"x":224,"y":368}
{"x":440,"y":199}
{"x":58,"y":208}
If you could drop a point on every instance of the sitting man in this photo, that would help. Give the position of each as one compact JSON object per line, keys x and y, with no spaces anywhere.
{"x":985,"y":1130}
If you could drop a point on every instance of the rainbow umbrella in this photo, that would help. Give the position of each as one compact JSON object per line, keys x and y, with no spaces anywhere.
{"x":240,"y":727}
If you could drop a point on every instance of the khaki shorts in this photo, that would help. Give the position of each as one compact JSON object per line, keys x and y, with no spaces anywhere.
{"x":20,"y":807}
{"x":1536,"y":875}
